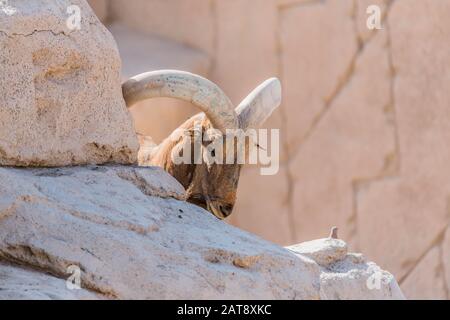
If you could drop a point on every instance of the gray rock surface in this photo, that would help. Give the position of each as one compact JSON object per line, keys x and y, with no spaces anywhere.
{"x":18,"y":283}
{"x":60,"y":89}
{"x":324,"y":251}
{"x":346,"y":276}
{"x":133,"y":237}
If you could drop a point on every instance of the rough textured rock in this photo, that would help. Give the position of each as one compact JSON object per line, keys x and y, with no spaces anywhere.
{"x":131,"y":237}
{"x":323,"y":251}
{"x":346,"y":276}
{"x":352,"y":278}
{"x":61,"y":100}
{"x":25,"y":284}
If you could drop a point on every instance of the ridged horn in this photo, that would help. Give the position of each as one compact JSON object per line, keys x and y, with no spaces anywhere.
{"x":254,"y":110}
{"x":186,"y":86}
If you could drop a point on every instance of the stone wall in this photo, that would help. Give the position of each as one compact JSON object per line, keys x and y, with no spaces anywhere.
{"x":364,"y":123}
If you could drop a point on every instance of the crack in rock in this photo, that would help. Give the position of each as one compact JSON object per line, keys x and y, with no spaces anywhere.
{"x":40,"y":260}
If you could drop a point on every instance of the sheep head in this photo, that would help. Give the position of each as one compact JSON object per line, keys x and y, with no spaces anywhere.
{"x":211,"y":185}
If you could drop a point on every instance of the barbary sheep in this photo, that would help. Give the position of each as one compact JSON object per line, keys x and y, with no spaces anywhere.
{"x":212,"y":186}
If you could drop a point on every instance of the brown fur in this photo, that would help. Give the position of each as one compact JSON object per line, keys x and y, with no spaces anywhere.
{"x":212,"y":187}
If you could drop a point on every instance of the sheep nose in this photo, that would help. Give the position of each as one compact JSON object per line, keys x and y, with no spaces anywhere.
{"x":226,"y":209}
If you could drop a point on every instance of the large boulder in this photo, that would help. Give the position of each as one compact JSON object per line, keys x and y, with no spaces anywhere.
{"x":132,"y":236}
{"x":60,"y":89}
{"x":22,"y":283}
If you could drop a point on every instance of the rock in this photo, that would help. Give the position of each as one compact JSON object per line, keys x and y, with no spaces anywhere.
{"x":323,"y":251}
{"x":61,"y":99}
{"x":23,"y":284}
{"x":132,"y":238}
{"x":351,"y":278}
{"x":152,"y":181}
{"x":345,"y":275}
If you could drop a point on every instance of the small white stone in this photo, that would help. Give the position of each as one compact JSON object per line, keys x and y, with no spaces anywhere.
{"x":323,"y":251}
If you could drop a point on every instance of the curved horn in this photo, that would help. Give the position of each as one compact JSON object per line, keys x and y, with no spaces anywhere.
{"x":259,"y":104}
{"x":185,"y":86}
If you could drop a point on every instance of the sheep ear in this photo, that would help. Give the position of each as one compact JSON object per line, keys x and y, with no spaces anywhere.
{"x":254,"y":110}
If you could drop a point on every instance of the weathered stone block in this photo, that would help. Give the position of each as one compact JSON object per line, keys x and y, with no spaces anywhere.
{"x":60,"y":92}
